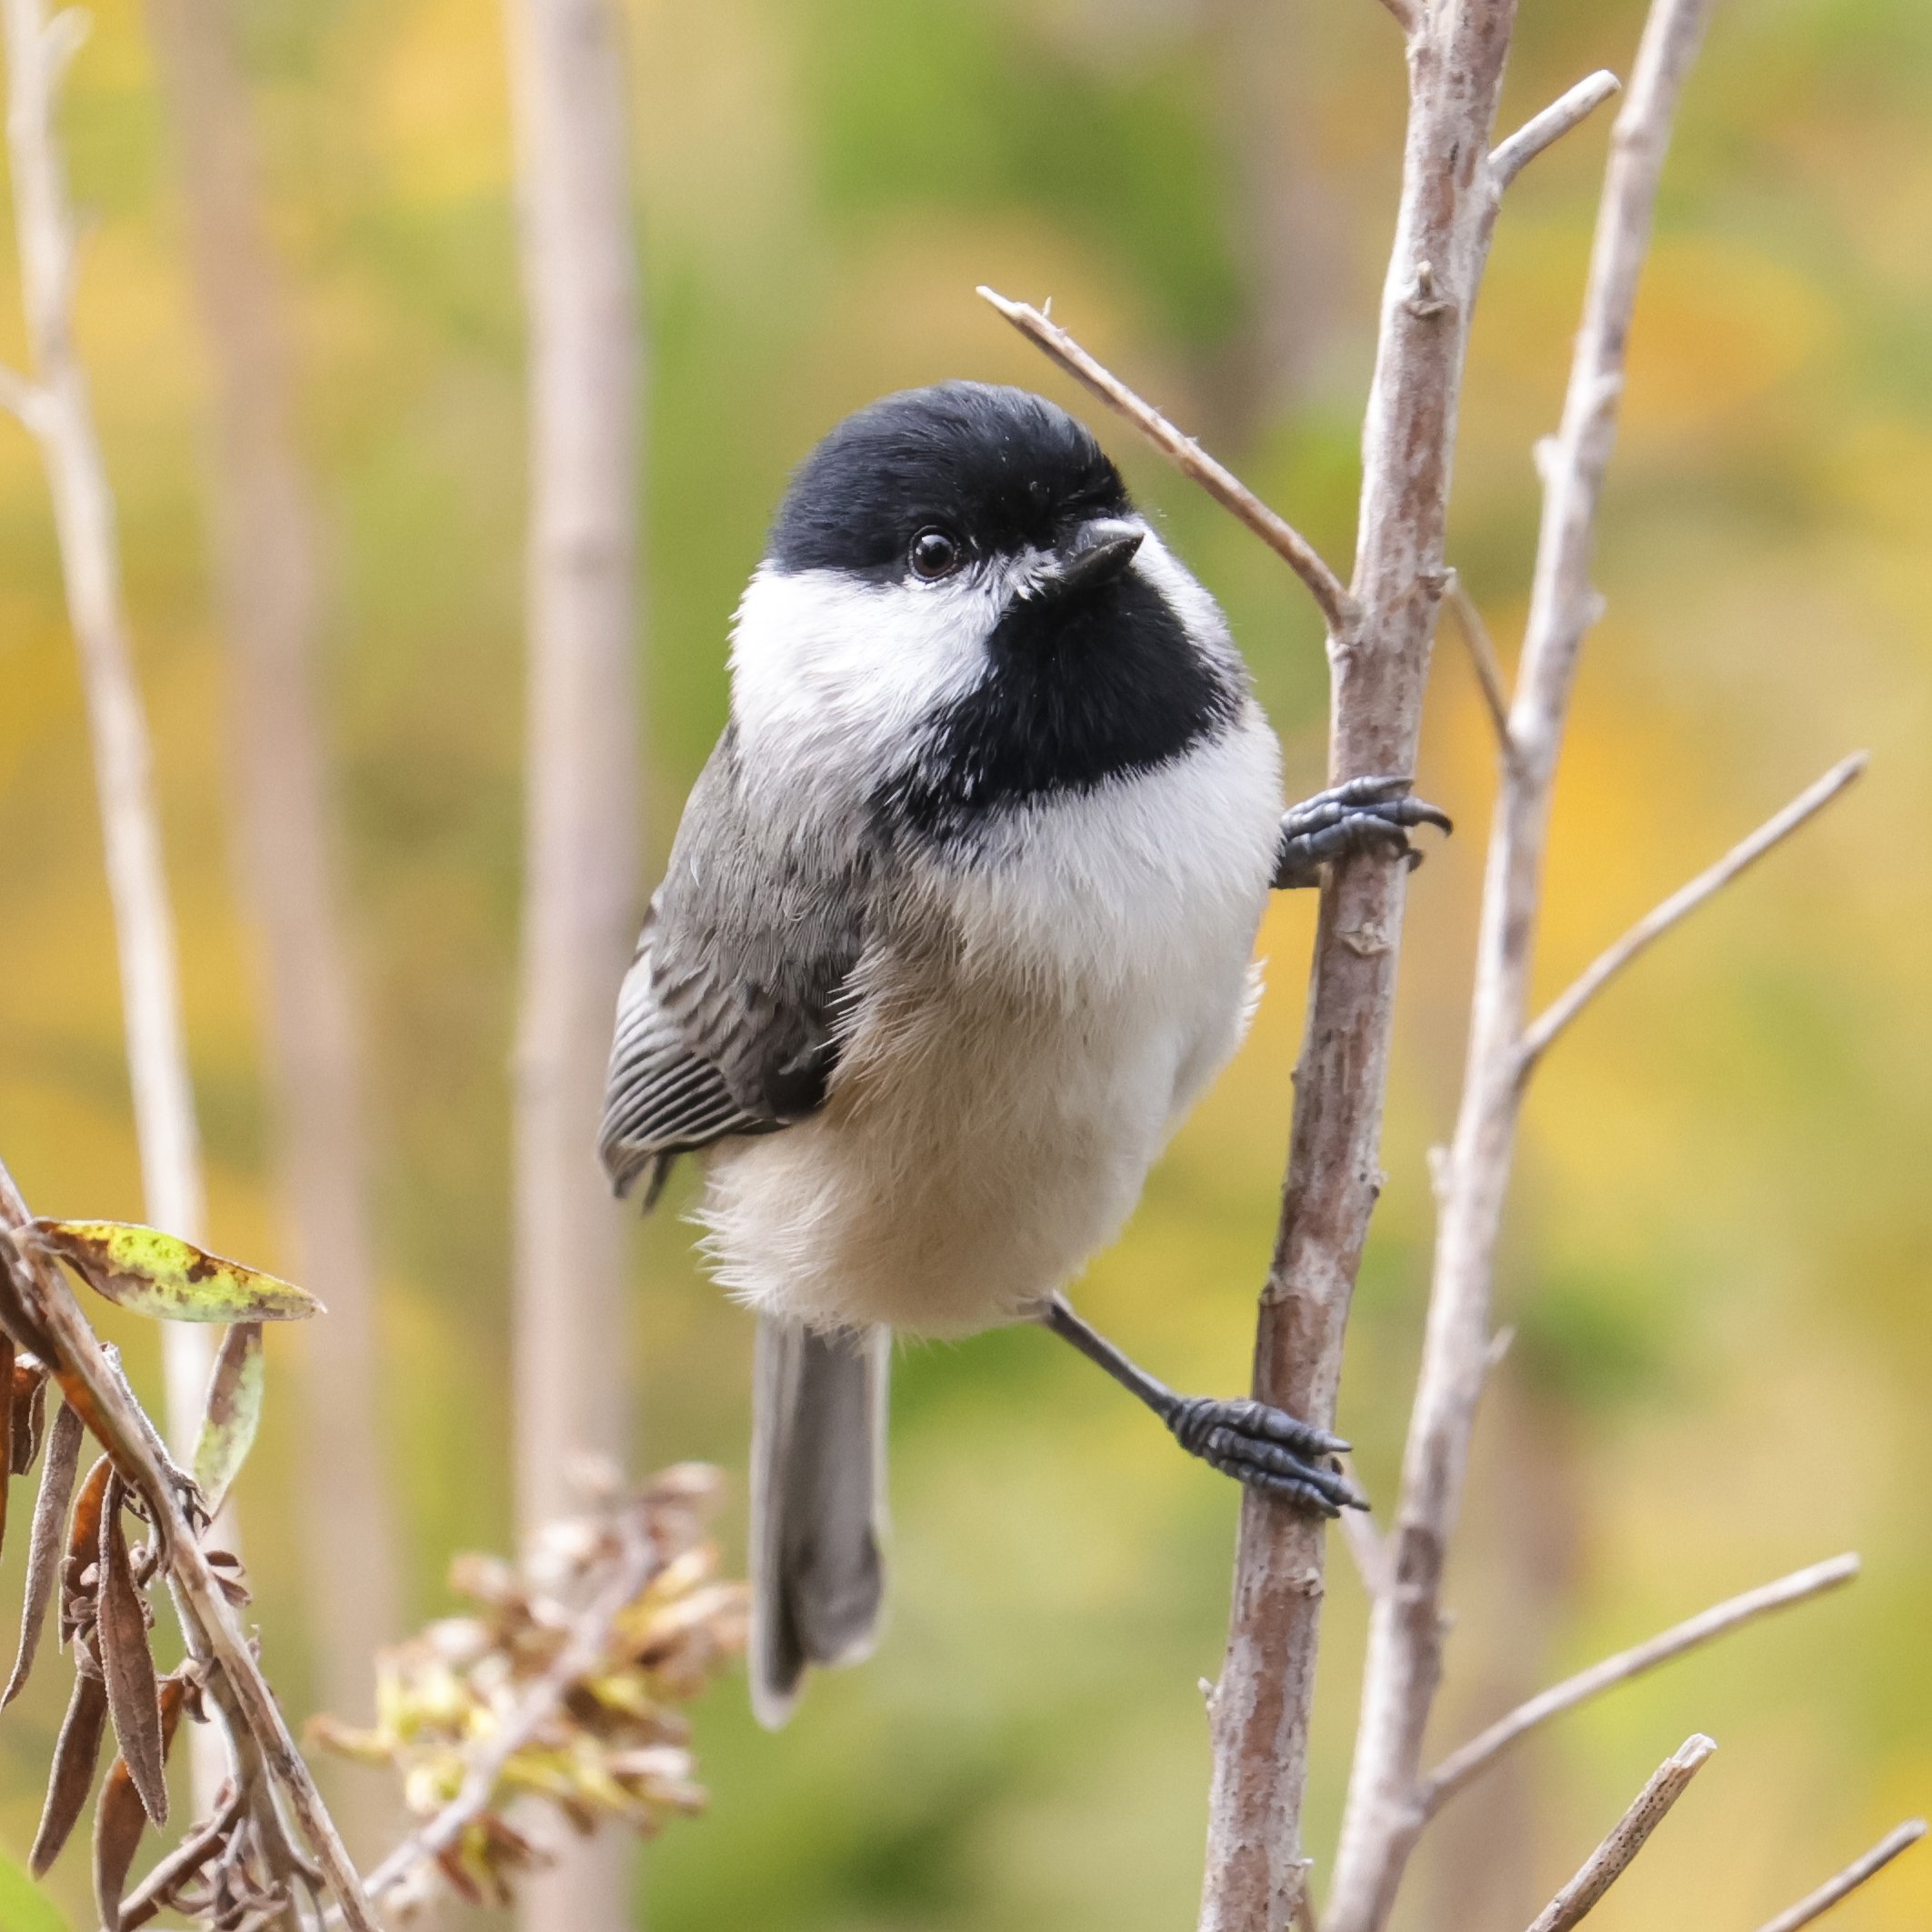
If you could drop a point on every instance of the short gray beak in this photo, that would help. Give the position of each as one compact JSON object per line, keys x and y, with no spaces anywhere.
{"x":1095,"y":552}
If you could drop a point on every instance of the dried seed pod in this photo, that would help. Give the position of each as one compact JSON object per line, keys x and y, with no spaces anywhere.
{"x":57,"y":1486}
{"x":134,"y":1698}
{"x":76,"y":1755}
{"x":121,"y":1817}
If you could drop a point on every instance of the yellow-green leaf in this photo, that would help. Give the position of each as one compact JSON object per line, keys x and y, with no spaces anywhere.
{"x":234,"y":1413}
{"x":163,"y":1275}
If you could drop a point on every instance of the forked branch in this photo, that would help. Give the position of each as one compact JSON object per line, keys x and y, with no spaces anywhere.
{"x":1337,"y":607}
{"x":1546,"y":129}
{"x":1472,"y":1760}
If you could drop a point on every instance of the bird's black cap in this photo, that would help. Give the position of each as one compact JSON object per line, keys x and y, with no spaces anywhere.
{"x":997,"y":470}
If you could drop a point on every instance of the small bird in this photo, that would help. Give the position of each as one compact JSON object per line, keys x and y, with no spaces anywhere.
{"x":957,"y":926}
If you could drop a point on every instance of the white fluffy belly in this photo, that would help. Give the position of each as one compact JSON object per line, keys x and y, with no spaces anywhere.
{"x":1026,"y":1041}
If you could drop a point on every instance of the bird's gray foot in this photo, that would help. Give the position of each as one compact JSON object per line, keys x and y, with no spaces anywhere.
{"x":1365,"y":815}
{"x":1268,"y":1449}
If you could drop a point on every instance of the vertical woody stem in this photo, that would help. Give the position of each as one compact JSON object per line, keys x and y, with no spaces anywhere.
{"x":1260,"y":1711}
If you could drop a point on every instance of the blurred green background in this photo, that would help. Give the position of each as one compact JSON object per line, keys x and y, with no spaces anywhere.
{"x":1721,"y":1230}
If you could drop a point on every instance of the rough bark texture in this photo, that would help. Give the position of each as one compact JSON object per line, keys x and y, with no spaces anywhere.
{"x":1261,"y":1705}
{"x":582,"y":828}
{"x":266,"y":583}
{"x":1385,"y":1813}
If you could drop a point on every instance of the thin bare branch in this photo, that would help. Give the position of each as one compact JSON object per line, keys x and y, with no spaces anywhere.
{"x":1608,"y":1862}
{"x":1682,"y":903}
{"x":59,"y":411}
{"x":1848,"y":1881}
{"x":1384,"y":1815}
{"x":1546,"y":129}
{"x":1470,"y":1760}
{"x":1482,"y":656}
{"x":1337,"y":607}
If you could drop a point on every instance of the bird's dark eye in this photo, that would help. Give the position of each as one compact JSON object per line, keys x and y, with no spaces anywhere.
{"x":935,"y":555}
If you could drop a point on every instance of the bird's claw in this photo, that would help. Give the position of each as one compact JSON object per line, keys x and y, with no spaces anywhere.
{"x":1269,"y":1450}
{"x":1363,"y":814}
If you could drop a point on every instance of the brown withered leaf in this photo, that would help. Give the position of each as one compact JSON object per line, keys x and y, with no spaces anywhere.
{"x":27,"y":1417}
{"x":84,"y":1543}
{"x":50,"y":1510}
{"x":134,"y":1696}
{"x":121,"y":1817}
{"x":74,"y":1756}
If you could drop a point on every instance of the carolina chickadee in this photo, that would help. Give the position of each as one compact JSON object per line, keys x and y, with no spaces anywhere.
{"x":958,"y":926}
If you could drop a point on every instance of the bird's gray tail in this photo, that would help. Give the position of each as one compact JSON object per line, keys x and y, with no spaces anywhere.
{"x":817,"y":1505}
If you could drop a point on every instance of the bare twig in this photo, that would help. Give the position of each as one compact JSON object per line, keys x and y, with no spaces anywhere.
{"x":1546,"y":129}
{"x":1482,"y":654}
{"x":569,"y":100}
{"x":1470,"y":1760}
{"x":1606,"y":966}
{"x":62,"y":418}
{"x":578,"y":1659}
{"x":1338,"y":608}
{"x":1385,"y":1815}
{"x":240,"y":1692}
{"x":1608,"y":1862}
{"x":1848,"y":1881}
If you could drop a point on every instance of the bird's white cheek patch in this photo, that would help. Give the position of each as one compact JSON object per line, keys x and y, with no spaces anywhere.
{"x":820,"y":661}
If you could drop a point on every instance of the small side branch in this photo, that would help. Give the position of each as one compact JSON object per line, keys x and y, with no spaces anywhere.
{"x":1608,"y":1862}
{"x":1508,"y":160}
{"x":1648,"y":930}
{"x":1475,"y":1758}
{"x":1848,"y":1881}
{"x":1337,"y":607}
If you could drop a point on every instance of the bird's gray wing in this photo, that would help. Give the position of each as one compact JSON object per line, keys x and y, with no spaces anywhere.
{"x":727,"y":1021}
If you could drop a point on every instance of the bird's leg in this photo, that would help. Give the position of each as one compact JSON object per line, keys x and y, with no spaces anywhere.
{"x":1365,"y":815}
{"x":1267,"y":1448}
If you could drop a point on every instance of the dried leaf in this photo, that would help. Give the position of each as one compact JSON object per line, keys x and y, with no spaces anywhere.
{"x":164,"y":1276}
{"x":134,"y":1698}
{"x":50,"y":1510}
{"x":74,"y":1758}
{"x":83,"y":1541}
{"x":235,"y":1411}
{"x":28,"y":1415}
{"x":121,"y":1817}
